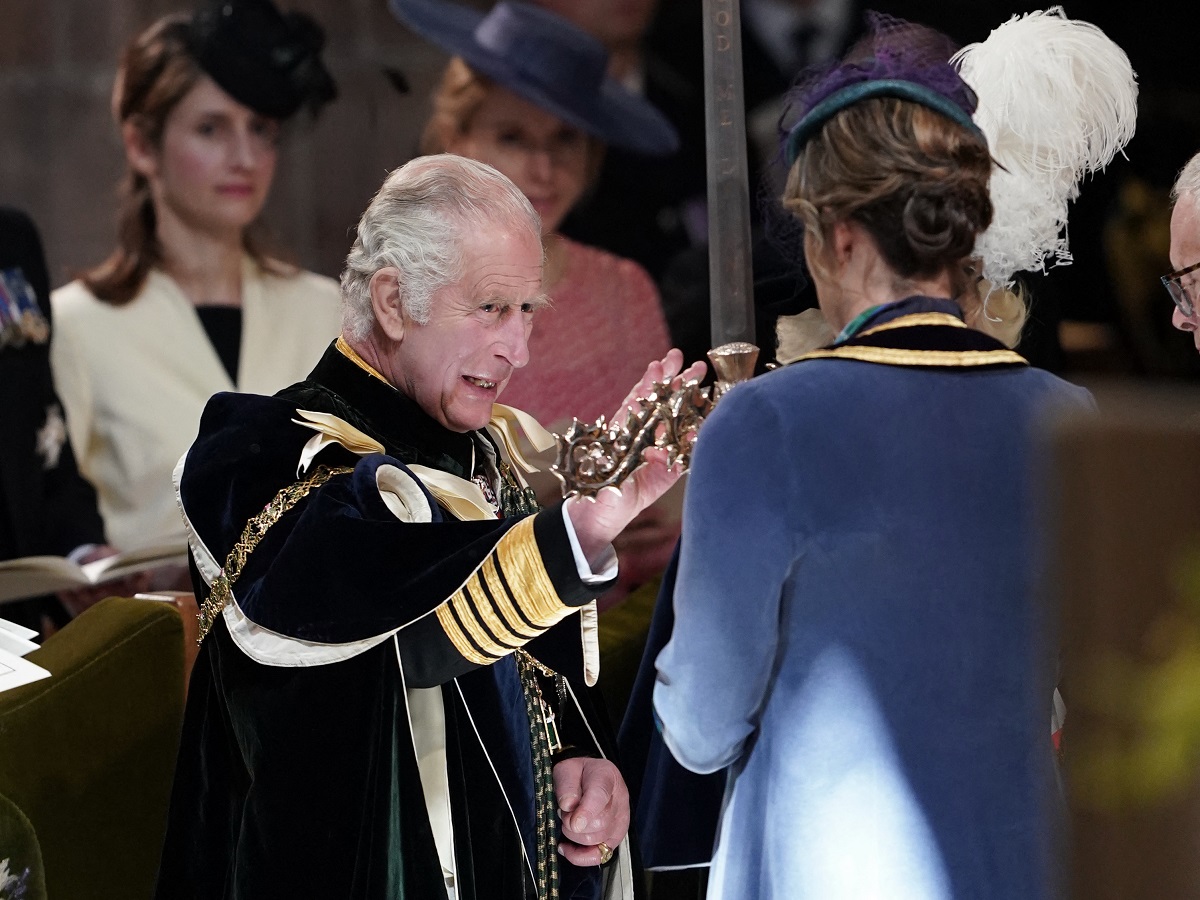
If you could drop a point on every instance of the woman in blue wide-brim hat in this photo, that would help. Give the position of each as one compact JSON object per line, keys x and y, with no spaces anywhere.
{"x":526,"y":91}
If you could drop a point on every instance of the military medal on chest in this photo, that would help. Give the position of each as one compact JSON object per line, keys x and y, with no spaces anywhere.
{"x":21,"y":319}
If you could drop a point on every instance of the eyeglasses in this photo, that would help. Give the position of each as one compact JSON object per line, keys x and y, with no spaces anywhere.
{"x":1179,"y":292}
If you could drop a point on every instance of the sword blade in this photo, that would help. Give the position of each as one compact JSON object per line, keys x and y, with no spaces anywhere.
{"x":729,"y":266}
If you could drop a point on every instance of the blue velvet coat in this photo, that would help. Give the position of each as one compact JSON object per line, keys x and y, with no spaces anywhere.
{"x":856,"y":632}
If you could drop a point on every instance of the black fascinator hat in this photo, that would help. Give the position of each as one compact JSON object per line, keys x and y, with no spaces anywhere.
{"x":267,"y":60}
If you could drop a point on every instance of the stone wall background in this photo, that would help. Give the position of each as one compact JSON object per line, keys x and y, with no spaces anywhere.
{"x":61,"y":158}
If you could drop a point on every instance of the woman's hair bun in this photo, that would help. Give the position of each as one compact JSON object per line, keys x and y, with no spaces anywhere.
{"x":942,"y":217}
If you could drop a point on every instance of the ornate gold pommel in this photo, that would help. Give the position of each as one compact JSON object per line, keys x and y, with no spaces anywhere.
{"x":733,"y":363}
{"x":593,"y":457}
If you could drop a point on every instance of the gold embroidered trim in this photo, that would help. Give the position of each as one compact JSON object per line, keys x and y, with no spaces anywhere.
{"x":221,"y":591}
{"x":494,"y":625}
{"x":895,"y":357}
{"x":351,"y":354}
{"x":910,"y":321}
{"x":491,"y":576}
{"x":462,"y":605}
{"x":464,"y":647}
{"x":519,"y":560}
{"x":476,"y":596}
{"x":459,"y":637}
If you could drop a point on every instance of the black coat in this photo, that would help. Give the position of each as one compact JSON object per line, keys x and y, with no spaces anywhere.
{"x":46,"y":506}
{"x":298,"y":773}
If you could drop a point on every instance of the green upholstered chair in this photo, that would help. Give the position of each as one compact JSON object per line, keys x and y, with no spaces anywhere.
{"x":87,"y":755}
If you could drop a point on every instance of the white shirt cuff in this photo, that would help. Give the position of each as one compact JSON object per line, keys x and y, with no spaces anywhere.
{"x":607,"y":563}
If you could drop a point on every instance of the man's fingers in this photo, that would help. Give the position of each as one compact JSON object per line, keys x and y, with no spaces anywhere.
{"x":695,"y":371}
{"x":589,"y":815}
{"x":672,"y":362}
{"x":665,"y":369}
{"x":601,"y":813}
{"x":581,"y":854}
{"x":567,"y":775}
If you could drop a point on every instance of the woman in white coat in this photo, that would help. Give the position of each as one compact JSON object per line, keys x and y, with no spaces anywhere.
{"x":189,"y":304}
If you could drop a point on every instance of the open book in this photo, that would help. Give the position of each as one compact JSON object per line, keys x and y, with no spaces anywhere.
{"x":32,"y":576}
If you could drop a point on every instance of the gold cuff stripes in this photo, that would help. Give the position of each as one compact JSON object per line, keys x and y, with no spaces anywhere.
{"x":507,"y":601}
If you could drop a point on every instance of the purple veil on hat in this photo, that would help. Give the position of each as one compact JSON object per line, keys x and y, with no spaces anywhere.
{"x":895,"y":58}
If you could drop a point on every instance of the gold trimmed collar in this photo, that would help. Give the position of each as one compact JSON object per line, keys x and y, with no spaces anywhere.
{"x":911,"y":321}
{"x":351,"y":354}
{"x":953,"y":355}
{"x":892,"y":356}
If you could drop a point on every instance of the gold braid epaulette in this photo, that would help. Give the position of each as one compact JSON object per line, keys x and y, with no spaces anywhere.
{"x":222,"y":587}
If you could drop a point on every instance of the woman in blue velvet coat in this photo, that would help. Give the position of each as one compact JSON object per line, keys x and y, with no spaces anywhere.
{"x":856,"y":633}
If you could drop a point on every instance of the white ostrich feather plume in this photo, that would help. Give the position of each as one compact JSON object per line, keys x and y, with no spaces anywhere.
{"x":1057,"y":101}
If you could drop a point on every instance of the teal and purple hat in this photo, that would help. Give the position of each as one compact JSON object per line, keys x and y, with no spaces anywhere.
{"x":895,"y":58}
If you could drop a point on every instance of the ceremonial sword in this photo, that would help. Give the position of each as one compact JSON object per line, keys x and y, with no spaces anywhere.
{"x":731,"y":303}
{"x":594,"y":456}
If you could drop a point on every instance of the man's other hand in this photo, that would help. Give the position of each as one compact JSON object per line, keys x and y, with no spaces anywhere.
{"x":593,"y":803}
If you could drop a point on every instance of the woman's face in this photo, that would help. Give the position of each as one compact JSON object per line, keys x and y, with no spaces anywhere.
{"x":539,"y":152}
{"x":214,"y":164}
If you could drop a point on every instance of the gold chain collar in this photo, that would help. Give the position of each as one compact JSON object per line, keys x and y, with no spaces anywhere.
{"x":221,"y":591}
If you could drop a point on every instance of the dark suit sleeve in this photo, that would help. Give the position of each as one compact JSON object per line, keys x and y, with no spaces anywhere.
{"x":51,"y":507}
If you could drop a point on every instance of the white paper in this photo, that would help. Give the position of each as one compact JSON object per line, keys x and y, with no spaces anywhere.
{"x":17,"y":646}
{"x":19,"y":630}
{"x":15,"y":671}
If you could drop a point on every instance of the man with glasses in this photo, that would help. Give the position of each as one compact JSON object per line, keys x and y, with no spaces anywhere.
{"x":1184,"y":283}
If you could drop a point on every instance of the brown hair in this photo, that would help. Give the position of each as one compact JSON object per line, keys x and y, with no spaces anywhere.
{"x":917,"y":182}
{"x":456,"y":100}
{"x":156,"y":72}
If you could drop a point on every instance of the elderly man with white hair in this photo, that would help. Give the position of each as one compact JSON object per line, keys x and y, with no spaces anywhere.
{"x":392,"y":694}
{"x":1184,"y":283}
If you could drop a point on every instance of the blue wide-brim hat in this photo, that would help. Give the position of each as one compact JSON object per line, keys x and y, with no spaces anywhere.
{"x":548,"y":61}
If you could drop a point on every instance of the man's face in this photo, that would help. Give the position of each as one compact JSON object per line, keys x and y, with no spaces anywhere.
{"x":456,"y":364}
{"x":1185,"y":250}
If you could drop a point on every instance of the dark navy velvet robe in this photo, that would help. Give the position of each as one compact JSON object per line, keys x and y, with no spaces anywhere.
{"x":297,"y":774}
